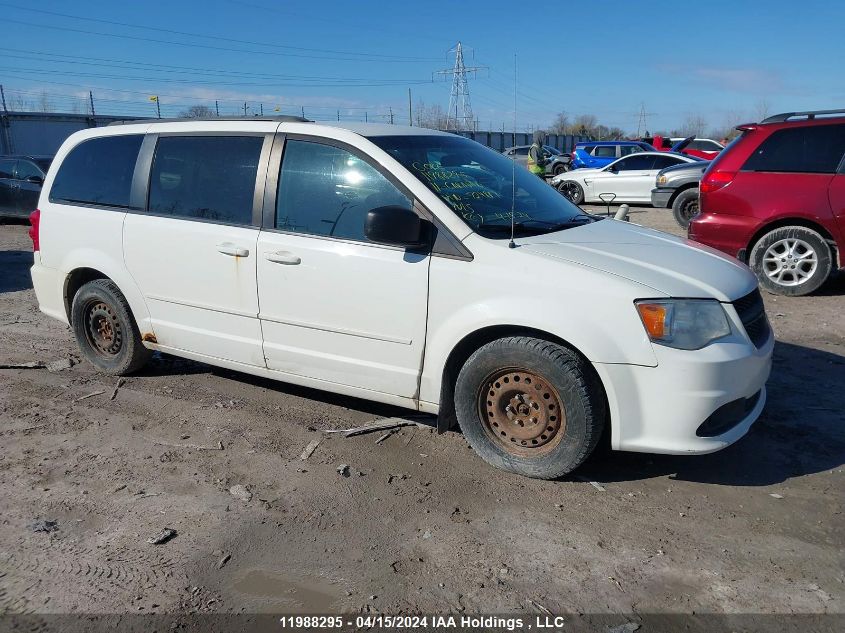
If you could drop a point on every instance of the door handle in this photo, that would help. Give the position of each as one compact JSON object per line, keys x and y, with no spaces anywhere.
{"x":227,"y":248}
{"x":283,"y":257}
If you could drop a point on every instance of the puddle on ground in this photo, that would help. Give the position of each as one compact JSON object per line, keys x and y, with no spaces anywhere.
{"x":277,"y":590}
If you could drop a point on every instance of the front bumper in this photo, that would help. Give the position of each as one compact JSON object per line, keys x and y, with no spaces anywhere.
{"x":662,"y":409}
{"x":660,"y":197}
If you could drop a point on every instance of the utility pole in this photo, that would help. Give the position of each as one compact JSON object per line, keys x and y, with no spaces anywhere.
{"x":91,"y":101}
{"x":459,"y":101}
{"x":642,"y":124}
{"x":303,"y":112}
{"x":391,"y":115}
{"x":338,"y":115}
{"x":244,"y":108}
{"x":217,"y":107}
{"x":158,"y":108}
{"x":366,"y":117}
{"x":3,"y":99}
{"x":410,"y":109}
{"x":261,"y":108}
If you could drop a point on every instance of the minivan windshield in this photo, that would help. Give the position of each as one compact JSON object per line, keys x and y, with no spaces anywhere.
{"x":482,"y":186}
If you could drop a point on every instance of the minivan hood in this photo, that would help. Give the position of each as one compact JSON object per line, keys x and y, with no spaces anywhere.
{"x":672,"y":266}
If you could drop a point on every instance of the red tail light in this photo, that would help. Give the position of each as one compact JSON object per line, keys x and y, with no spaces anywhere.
{"x":35,"y":222}
{"x":716,"y":180}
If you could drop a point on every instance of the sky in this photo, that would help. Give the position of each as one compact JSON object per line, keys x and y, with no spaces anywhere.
{"x":726,"y":61}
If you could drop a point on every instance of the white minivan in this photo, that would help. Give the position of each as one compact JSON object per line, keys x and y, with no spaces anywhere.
{"x":378,"y":261}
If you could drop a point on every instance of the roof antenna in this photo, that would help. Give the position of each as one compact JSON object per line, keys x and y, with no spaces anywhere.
{"x":511,"y":244}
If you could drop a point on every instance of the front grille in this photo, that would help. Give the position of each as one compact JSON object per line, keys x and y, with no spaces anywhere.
{"x":752,"y":313}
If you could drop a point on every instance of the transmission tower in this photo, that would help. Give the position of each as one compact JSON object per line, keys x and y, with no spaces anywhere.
{"x":459,"y":115}
{"x":642,"y":124}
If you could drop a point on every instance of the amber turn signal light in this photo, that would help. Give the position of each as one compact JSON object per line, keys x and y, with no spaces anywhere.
{"x":653,"y":316}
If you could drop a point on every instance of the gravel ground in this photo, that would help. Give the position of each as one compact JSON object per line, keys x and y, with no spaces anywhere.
{"x":420,"y":524}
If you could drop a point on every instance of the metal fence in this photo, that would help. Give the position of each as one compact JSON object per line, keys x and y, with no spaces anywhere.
{"x":44,"y":132}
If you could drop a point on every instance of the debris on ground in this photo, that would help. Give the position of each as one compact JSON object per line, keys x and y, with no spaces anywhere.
{"x":60,"y":365}
{"x":222,"y":562}
{"x":386,"y":435}
{"x":35,"y":364}
{"x":775,"y":495}
{"x":90,"y":395}
{"x":117,"y":386}
{"x":539,"y":607}
{"x":343,"y":470}
{"x":628,"y":627}
{"x":196,"y":447}
{"x":240,"y":492}
{"x":44,"y":525}
{"x":162,"y":537}
{"x":310,"y":448}
{"x":594,"y":484}
{"x":379,"y":425}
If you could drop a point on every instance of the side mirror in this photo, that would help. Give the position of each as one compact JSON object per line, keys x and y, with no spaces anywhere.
{"x":396,"y":226}
{"x":37,"y":180}
{"x":612,"y":170}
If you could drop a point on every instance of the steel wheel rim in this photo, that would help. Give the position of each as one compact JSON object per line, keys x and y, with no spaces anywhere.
{"x":690,"y":210}
{"x":790,"y":262}
{"x":103,"y":329}
{"x":521,"y":412}
{"x":569,"y":189}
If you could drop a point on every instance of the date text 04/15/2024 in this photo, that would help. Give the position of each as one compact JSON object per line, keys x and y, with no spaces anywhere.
{"x":421,"y":621}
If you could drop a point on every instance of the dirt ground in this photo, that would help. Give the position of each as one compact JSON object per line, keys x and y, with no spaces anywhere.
{"x":420,"y":524}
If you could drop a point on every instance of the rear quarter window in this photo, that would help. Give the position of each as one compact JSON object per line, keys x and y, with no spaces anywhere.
{"x":810,"y":149}
{"x":98,"y":171}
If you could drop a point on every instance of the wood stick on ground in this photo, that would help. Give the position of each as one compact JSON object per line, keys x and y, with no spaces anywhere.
{"x":116,"y":387}
{"x":197,"y":447}
{"x":35,"y":364}
{"x":90,"y":395}
{"x":380,"y":425}
{"x":309,"y":450}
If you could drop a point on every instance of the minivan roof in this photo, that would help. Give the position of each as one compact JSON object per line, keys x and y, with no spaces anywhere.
{"x":611,"y":143}
{"x":364,"y":129}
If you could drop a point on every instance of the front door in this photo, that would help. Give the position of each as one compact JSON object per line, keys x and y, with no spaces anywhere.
{"x":192,"y":252}
{"x":334,"y":306}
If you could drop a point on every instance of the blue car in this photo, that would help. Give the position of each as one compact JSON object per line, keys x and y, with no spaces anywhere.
{"x":601,"y":153}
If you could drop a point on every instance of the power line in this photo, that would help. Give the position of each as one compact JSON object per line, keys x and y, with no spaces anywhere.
{"x":219,"y":38}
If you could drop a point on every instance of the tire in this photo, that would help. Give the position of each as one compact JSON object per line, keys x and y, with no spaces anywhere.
{"x":685,"y":207}
{"x":529,"y":382}
{"x":572,"y":191}
{"x":560,"y":168}
{"x":105,"y":329}
{"x":792,"y":261}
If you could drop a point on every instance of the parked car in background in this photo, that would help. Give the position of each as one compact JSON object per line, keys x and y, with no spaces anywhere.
{"x":704,"y":148}
{"x":592,"y":154}
{"x":559,"y":162}
{"x":775,"y":198}
{"x":676,"y":187}
{"x":268,"y":246}
{"x":21,"y":178}
{"x":630,"y":179}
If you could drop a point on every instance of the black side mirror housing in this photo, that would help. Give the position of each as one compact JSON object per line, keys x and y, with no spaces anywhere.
{"x":397,"y":226}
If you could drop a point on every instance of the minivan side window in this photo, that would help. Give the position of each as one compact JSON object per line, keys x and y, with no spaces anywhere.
{"x":205,"y":177}
{"x":98,"y":171}
{"x":816,"y":149}
{"x":326,"y":190}
{"x":605,"y":151}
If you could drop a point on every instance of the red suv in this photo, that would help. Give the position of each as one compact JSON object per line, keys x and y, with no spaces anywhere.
{"x":775,"y":199}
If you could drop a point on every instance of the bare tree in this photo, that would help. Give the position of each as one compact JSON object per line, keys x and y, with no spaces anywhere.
{"x":430,"y":116}
{"x":694,"y":125}
{"x":44,"y":103}
{"x":585,"y":124}
{"x":197,"y":112}
{"x":560,"y":124}
{"x":761,"y":109}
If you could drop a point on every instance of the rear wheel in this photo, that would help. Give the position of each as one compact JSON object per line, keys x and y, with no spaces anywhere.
{"x":571,"y":190}
{"x":560,"y":168}
{"x":105,"y":329}
{"x":685,"y":207}
{"x":792,"y":261}
{"x":530,"y":406}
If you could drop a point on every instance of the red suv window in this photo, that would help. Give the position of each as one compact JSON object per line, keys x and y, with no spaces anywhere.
{"x":816,"y":149}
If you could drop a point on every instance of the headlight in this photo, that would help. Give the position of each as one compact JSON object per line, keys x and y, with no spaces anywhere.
{"x":684,"y":324}
{"x":661,"y":180}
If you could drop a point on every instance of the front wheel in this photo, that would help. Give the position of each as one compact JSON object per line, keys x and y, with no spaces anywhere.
{"x":685,"y":207}
{"x":105,"y":329}
{"x":560,"y":168}
{"x":530,"y":406}
{"x":572,"y":191}
{"x":792,"y":261}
